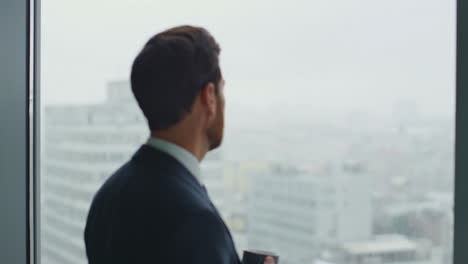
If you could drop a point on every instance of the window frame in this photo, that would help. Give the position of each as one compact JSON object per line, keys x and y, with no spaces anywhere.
{"x":460,"y":254}
{"x":20,"y":133}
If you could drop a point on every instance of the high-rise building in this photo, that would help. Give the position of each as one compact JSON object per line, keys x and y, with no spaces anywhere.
{"x":300,"y":213}
{"x":83,"y":146}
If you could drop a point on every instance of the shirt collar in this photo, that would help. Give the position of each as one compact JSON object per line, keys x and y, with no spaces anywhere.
{"x":187,"y":159}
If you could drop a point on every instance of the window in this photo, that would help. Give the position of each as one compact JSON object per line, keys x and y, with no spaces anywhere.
{"x":352,"y":161}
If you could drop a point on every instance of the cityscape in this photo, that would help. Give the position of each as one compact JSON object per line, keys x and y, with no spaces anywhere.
{"x":320,"y":189}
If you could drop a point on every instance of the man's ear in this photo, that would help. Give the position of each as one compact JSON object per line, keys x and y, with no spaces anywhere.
{"x":209,"y":99}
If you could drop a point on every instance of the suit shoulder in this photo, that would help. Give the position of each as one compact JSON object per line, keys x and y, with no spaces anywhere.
{"x":151,"y":187}
{"x":116,"y":181}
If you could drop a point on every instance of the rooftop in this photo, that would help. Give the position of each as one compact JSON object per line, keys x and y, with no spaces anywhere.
{"x":381,"y":244}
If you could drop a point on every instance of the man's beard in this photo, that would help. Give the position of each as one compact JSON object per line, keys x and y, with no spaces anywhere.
{"x":215,"y":135}
{"x":215,"y":138}
{"x":216,"y":131}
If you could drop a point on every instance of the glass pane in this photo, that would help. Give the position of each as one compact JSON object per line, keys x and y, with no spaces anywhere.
{"x":339,"y":134}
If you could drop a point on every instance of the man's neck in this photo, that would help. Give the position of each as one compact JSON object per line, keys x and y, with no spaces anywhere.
{"x":188,"y":142}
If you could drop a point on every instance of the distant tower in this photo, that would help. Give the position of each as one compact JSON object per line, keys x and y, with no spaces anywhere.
{"x":298,"y":213}
{"x":83,"y":145}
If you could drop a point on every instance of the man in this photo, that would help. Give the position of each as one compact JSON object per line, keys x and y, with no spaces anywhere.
{"x":155,"y":209}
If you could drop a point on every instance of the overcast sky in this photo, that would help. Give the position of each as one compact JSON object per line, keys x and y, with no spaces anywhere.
{"x":333,"y":55}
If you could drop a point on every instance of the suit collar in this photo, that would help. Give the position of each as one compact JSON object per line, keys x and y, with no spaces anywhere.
{"x":184,"y":157}
{"x":150,"y":157}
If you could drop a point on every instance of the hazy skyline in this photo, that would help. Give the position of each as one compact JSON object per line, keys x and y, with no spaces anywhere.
{"x":307,"y":84}
{"x":330,"y":55}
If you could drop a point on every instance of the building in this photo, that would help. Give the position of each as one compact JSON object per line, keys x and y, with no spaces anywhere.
{"x":82,"y":146}
{"x":384,"y":249}
{"x":428,"y":217}
{"x":301,"y":213}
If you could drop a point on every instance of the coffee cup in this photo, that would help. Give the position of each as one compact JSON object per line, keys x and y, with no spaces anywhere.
{"x":259,"y":257}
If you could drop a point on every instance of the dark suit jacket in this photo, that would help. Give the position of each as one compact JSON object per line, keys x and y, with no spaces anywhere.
{"x":153,"y":210}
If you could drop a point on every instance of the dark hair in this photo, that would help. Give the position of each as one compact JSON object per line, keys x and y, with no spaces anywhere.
{"x":170,"y":70}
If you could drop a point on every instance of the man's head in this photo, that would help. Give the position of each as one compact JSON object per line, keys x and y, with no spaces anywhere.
{"x":177,"y":82}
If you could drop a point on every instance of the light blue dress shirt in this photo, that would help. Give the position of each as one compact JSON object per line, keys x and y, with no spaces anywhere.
{"x":187,"y":159}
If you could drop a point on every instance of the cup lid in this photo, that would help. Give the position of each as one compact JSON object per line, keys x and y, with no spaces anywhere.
{"x":262,"y":252}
